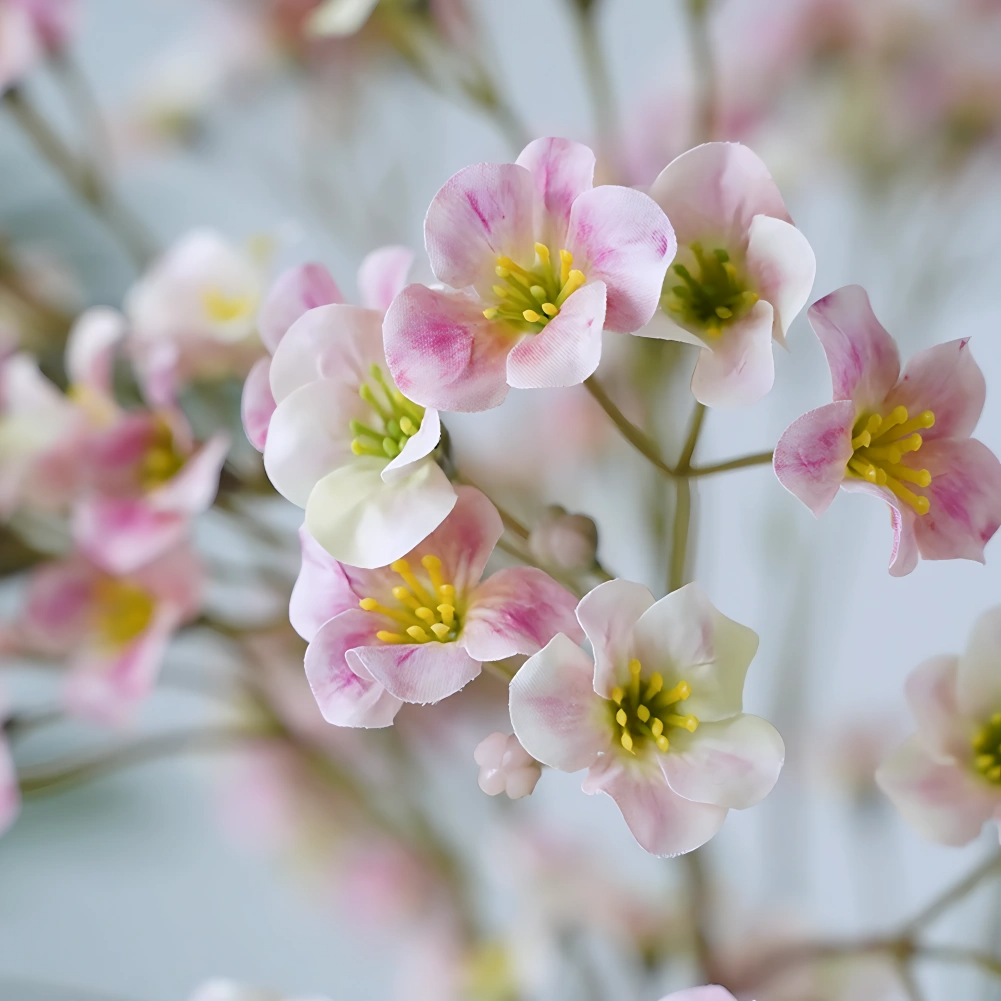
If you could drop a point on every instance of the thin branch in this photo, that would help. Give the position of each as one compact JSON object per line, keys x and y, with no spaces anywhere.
{"x":596,"y":75}
{"x":758,"y":459}
{"x":952,"y":896}
{"x":704,"y":64}
{"x":905,"y":973}
{"x":683,"y":503}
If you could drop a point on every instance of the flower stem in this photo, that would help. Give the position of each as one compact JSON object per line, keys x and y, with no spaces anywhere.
{"x":952,"y":896}
{"x":597,"y":76}
{"x":680,"y":542}
{"x":704,"y":63}
{"x":758,"y":459}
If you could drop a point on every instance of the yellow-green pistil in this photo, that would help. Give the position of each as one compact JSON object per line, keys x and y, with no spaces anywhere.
{"x":987,"y":748}
{"x":395,"y":419}
{"x":715,"y":296}
{"x":643,"y":710}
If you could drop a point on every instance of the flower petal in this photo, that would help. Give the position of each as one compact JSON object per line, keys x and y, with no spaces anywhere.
{"x":444,"y":353}
{"x":421,"y":673}
{"x":621,"y":237}
{"x":383,"y":276}
{"x":555,"y":714}
{"x":257,"y":403}
{"x":193,"y":488}
{"x":561,"y":170}
{"x":90,"y":348}
{"x":863,"y":357}
{"x":737,"y":368}
{"x":685,"y":638}
{"x":931,"y":694}
{"x":58,"y":604}
{"x":811,"y":457}
{"x":340,"y":18}
{"x":711,"y":993}
{"x":421,"y":444}
{"x":364,"y":521}
{"x":782,"y":266}
{"x":733,"y":763}
{"x":481,"y":213}
{"x":943,"y":803}
{"x":663,"y":822}
{"x":10,"y":794}
{"x":946,"y":380}
{"x":121,"y":534}
{"x":904,"y":555}
{"x":517,"y":610}
{"x":322,"y":589}
{"x":607,"y":615}
{"x":567,"y":350}
{"x":978,"y":680}
{"x":294,"y":292}
{"x":346,"y":694}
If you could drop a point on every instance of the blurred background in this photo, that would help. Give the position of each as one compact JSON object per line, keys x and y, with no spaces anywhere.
{"x":193,"y":858}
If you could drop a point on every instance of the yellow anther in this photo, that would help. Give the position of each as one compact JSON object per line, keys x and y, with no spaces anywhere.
{"x":433,"y":566}
{"x":723,"y":313}
{"x":643,"y":713}
{"x":531,"y":316}
{"x":635,"y":667}
{"x":447,"y":593}
{"x":440,"y":630}
{"x":418,"y":634}
{"x":447,"y":613}
{"x":662,"y":743}
{"x":426,"y":615}
{"x":920,"y":504}
{"x":689,"y":723}
{"x":492,"y":313}
{"x":885,"y":453}
{"x":873,"y":424}
{"x":408,"y":427}
{"x":404,"y":597}
{"x":655,"y":684}
{"x":862,"y":440}
{"x":388,"y":637}
{"x":863,"y":468}
{"x":360,"y":447}
{"x":621,"y":718}
{"x":402,"y":567}
{"x":543,"y":251}
{"x":566,"y":263}
{"x":502,"y":272}
{"x":922,"y":422}
{"x":679,"y":693}
{"x":896,"y":416}
{"x":618,"y":695}
{"x":657,"y":727}
{"x":500,"y":291}
{"x":549,"y":309}
{"x":911,"y":444}
{"x":369,"y":604}
{"x":984,"y":761}
{"x":574,"y":281}
{"x":919,"y":476}
{"x":627,"y":741}
{"x":539,"y":292}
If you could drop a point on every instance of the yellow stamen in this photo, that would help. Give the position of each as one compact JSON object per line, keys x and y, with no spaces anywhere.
{"x":618,"y":695}
{"x":679,"y":693}
{"x":626,"y":741}
{"x":655,"y":684}
{"x":643,"y":713}
{"x":919,"y":476}
{"x":543,"y":251}
{"x":404,"y":597}
{"x":920,"y":504}
{"x":492,"y":313}
{"x":440,"y":630}
{"x":566,"y":263}
{"x":433,"y":566}
{"x":539,"y":292}
{"x":402,"y":567}
{"x":621,"y":718}
{"x":531,"y":316}
{"x":447,"y":593}
{"x":574,"y":281}
{"x":662,"y":743}
{"x":689,"y":723}
{"x":657,"y":727}
{"x":408,"y":427}
{"x":896,"y":416}
{"x":447,"y":613}
{"x":886,"y":453}
{"x":418,"y":634}
{"x":388,"y":637}
{"x":426,"y":614}
{"x":371,"y":605}
{"x":922,"y":422}
{"x":549,"y":309}
{"x":862,"y":440}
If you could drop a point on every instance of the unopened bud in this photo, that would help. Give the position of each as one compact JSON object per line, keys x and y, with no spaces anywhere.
{"x":565,"y":541}
{"x":505,"y":766}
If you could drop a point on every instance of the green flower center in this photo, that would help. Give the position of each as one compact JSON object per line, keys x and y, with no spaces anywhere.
{"x":987,"y":745}
{"x":716,"y":295}
{"x":394,"y":421}
{"x":644,"y":711}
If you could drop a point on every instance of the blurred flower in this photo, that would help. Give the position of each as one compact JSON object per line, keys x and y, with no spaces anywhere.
{"x":505,"y":766}
{"x":866,"y":440}
{"x":341,"y":17}
{"x":193,"y":315}
{"x":565,"y":541}
{"x":379,"y":638}
{"x":742,"y":273}
{"x":571,"y":259}
{"x":712,"y":993}
{"x":673,"y":776}
{"x":10,"y":793}
{"x":946,"y":779}
{"x":28,"y":30}
{"x":113,"y":630}
{"x":229,"y":990}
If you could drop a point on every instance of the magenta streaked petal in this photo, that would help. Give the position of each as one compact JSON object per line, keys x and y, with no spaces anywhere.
{"x":420,"y":673}
{"x":864,"y":360}
{"x":812,"y":455}
{"x":517,"y":610}
{"x":561,"y":170}
{"x":737,"y":369}
{"x":322,"y":589}
{"x":383,"y":276}
{"x":554,"y":711}
{"x":257,"y":403}
{"x":193,"y":489}
{"x":443,"y":353}
{"x":294,"y":292}
{"x":904,"y":555}
{"x":121,"y":534}
{"x":621,"y":237}
{"x":567,"y":350}
{"x":481,"y":213}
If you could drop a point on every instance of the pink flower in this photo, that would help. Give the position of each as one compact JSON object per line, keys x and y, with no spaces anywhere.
{"x":656,"y":718}
{"x":343,"y":442}
{"x":537,"y":261}
{"x":505,"y":766}
{"x":220,"y":989}
{"x":711,"y":993}
{"x":904,"y":438}
{"x":114,"y":630}
{"x":420,"y":629}
{"x":946,"y":779}
{"x":10,"y":793}
{"x":742,"y":274}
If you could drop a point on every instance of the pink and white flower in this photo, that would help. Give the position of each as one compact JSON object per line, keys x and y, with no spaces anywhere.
{"x":28,"y":30}
{"x":10,"y":793}
{"x":193,"y":315}
{"x":901,"y":437}
{"x":656,"y":717}
{"x":742,"y":273}
{"x":711,"y":993}
{"x":420,"y":629}
{"x":343,"y":442}
{"x":946,"y":779}
{"x":113,"y":630}
{"x":537,"y":261}
{"x":505,"y":766}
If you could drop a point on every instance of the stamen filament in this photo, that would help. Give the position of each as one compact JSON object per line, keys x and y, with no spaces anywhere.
{"x":402,"y":567}
{"x":447,"y":613}
{"x":388,"y":637}
{"x":371,"y":605}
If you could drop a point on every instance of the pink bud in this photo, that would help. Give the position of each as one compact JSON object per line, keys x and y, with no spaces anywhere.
{"x":505,"y":766}
{"x":566,"y":541}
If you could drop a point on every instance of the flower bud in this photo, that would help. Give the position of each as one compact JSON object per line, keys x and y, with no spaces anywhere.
{"x":505,"y":766}
{"x":566,"y":541}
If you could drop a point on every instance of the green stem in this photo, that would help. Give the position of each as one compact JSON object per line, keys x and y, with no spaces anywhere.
{"x":758,"y":459}
{"x":597,"y":76}
{"x":952,"y":895}
{"x":706,"y":87}
{"x":642,"y":442}
{"x":683,"y":504}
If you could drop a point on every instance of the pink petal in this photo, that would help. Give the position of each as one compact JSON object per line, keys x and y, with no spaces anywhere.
{"x":965,"y":495}
{"x":421,"y":673}
{"x":90,"y":348}
{"x":257,"y":403}
{"x":711,"y":993}
{"x":663,"y":822}
{"x":621,"y":237}
{"x":811,"y":457}
{"x":322,"y":589}
{"x":383,"y":275}
{"x":444,"y":353}
{"x":943,"y":803}
{"x":607,"y":615}
{"x":337,"y":343}
{"x":904,"y":555}
{"x":176,"y":580}
{"x":978,"y":680}
{"x":561,"y":170}
{"x":517,"y":610}
{"x":733,"y":763}
{"x":345,"y":692}
{"x":294,"y":292}
{"x":782,"y":267}
{"x":863,"y":357}
{"x":58,"y":602}
{"x":737,"y":368}
{"x":417,"y":447}
{"x":568,"y":348}
{"x":931,"y":694}
{"x":554,"y":711}
{"x":481,"y":213}
{"x":947,"y":381}
{"x":10,"y":794}
{"x":121,"y":534}
{"x":193,"y":489}
{"x":714,"y":191}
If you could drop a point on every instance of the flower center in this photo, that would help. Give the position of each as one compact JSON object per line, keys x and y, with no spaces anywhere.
{"x":222,"y":308}
{"x":987,"y":745}
{"x":395,"y":419}
{"x":122,"y":611}
{"x":642,"y":710}
{"x":534,"y":295}
{"x":161,"y":461}
{"x":422,"y":606}
{"x":880,"y":443}
{"x":718,"y":296}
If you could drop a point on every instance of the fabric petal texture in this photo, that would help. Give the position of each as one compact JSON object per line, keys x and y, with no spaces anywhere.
{"x":322,"y":589}
{"x":293,"y":293}
{"x":420,"y":673}
{"x":561,"y":170}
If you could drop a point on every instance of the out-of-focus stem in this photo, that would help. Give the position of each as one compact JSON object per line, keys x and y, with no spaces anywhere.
{"x":758,"y":459}
{"x":683,"y":505}
{"x":80,"y":97}
{"x":699,"y":903}
{"x":704,"y":65}
{"x":951,"y":896}
{"x":597,"y":76}
{"x":82,"y":177}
